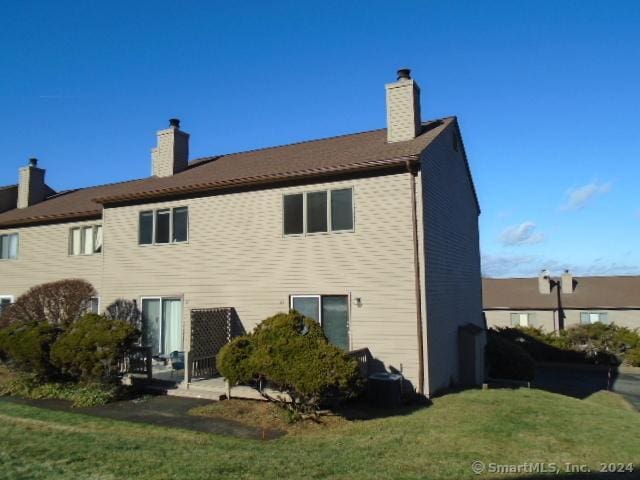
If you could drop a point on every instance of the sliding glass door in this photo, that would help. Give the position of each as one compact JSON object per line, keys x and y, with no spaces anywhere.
{"x":331,"y":311}
{"x":162,"y":324}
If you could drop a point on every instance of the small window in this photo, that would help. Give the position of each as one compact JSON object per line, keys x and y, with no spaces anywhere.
{"x":342,"y":209}
{"x":163,"y":225}
{"x":9,"y":246}
{"x":588,"y":318}
{"x":93,"y":305}
{"x":5,"y":301}
{"x":145,"y":236}
{"x":316,"y":212}
{"x":85,"y":240}
{"x":180,"y":224}
{"x":293,"y":212}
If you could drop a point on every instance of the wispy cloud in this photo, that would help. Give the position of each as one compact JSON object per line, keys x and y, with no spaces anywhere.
{"x":523,"y":234}
{"x":577,"y":198}
{"x":502,"y":266}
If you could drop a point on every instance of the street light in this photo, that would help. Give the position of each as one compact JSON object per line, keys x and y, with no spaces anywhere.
{"x":563,"y":285}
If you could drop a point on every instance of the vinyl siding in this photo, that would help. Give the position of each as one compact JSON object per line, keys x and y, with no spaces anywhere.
{"x":238,"y":257}
{"x":452,"y":257}
{"x":43,"y":256}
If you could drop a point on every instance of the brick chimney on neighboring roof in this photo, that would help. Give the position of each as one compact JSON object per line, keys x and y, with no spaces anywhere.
{"x":31,"y":186}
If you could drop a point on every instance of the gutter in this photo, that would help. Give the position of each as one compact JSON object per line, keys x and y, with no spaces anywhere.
{"x":412,"y":169}
{"x":258,"y":180}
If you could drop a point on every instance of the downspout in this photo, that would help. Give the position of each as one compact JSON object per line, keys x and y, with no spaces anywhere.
{"x":413,"y":172}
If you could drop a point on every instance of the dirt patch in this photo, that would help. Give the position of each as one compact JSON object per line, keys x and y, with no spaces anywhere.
{"x":269,"y":416}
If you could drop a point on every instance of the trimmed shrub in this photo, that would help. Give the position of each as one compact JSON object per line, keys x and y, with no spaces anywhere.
{"x":292,"y":352}
{"x":90,"y":349}
{"x":506,"y":359}
{"x":80,"y":395}
{"x":57,"y":303}
{"x":26,"y":347}
{"x":235,"y":360}
{"x":632,"y":357}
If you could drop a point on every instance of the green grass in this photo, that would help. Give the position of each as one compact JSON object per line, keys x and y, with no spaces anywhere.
{"x":610,"y":399}
{"x":503,"y":426}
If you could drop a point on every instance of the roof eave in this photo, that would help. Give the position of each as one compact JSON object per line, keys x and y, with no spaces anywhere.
{"x":259,"y":180}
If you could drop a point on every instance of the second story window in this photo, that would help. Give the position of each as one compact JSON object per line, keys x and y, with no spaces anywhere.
{"x":166,"y":225}
{"x":85,"y":240}
{"x":9,"y":246}
{"x":318,"y":212}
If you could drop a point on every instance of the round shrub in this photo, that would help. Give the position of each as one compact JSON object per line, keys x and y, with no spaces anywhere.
{"x":234,"y":360}
{"x":26,"y":347}
{"x":506,"y":359}
{"x":91,"y":348}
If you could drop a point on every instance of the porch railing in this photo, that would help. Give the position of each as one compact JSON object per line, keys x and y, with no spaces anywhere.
{"x":362,"y":356}
{"x":136,"y":360}
{"x":200,"y":367}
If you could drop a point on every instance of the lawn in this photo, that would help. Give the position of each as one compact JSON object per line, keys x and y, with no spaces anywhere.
{"x":441,"y":441}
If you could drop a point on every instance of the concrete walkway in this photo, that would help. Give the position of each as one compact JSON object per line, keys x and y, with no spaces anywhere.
{"x":165,"y":411}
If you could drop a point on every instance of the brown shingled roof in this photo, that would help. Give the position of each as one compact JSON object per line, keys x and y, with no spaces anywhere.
{"x":347,"y":153}
{"x":590,"y":293}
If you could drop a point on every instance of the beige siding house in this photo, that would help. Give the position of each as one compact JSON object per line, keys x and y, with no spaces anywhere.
{"x":375,"y":235}
{"x":521,"y":302}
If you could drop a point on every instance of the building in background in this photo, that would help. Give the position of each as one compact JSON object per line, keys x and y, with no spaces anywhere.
{"x":529,"y":302}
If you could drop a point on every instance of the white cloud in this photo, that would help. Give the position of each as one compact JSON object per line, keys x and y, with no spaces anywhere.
{"x":504,"y":266}
{"x":523,"y":234}
{"x":577,"y":198}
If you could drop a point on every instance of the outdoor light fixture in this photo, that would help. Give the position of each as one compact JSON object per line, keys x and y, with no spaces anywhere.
{"x":358,"y":302}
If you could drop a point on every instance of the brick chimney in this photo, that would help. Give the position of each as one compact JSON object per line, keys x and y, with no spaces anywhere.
{"x":403,"y":108}
{"x":566,"y":282}
{"x":31,"y":187}
{"x":171,"y":156}
{"x":544,"y":282}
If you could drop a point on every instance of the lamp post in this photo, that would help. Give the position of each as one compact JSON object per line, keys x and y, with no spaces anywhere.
{"x":564,"y":285}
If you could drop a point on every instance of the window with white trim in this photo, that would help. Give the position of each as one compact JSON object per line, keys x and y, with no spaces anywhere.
{"x":164,"y":225}
{"x":5,"y":301}
{"x":86,"y":240}
{"x":9,"y":246}
{"x":587,"y":318}
{"x":522,"y":319}
{"x":94,"y":305}
{"x":318,"y":212}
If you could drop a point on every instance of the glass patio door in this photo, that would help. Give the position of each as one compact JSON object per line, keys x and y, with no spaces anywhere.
{"x":162,"y":324}
{"x":331,"y":311}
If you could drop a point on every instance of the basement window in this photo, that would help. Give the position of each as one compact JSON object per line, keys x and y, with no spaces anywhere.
{"x":85,"y":240}
{"x":318,"y":212}
{"x":9,"y":246}
{"x":162,"y":226}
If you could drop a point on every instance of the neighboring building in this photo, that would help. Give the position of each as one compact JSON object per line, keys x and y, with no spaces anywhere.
{"x":373,"y":234}
{"x":518,"y":302}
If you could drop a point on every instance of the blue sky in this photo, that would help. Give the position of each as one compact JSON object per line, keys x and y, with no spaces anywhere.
{"x":546,"y":93}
